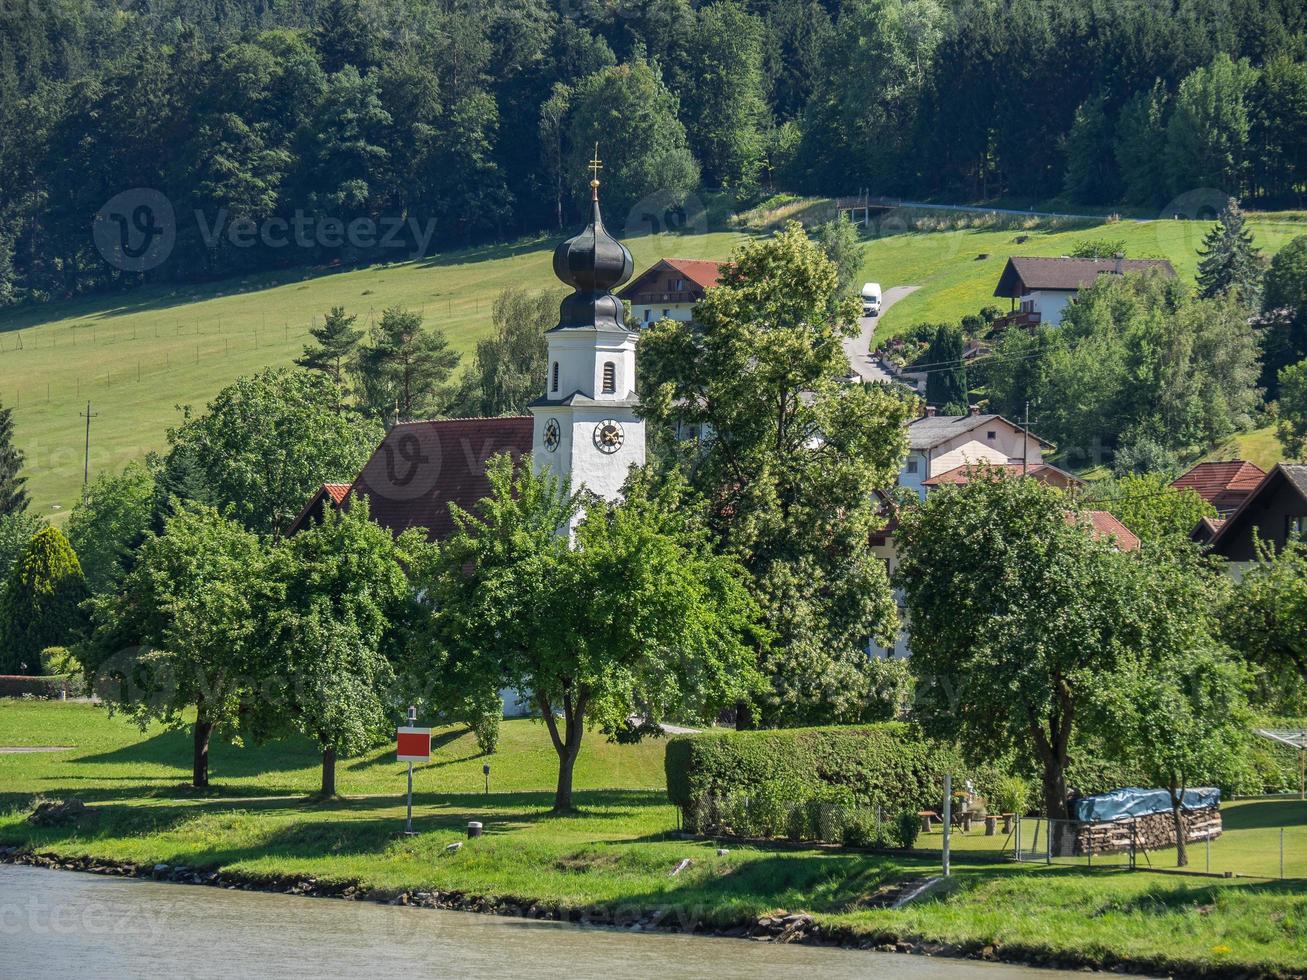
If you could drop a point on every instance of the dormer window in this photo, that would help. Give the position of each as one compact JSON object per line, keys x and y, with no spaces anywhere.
{"x":610,"y":378}
{"x":553,"y":381}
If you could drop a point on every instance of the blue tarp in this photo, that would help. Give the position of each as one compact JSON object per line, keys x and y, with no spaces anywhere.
{"x":1135,"y":802}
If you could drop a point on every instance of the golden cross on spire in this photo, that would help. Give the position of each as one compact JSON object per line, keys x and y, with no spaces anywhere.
{"x":596,"y":165}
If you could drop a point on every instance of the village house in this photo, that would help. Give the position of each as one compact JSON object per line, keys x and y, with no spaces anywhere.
{"x":668,"y":289}
{"x":951,"y":450}
{"x":1044,"y":286}
{"x":939,"y":443}
{"x":1225,"y":484}
{"x":1274,"y":512}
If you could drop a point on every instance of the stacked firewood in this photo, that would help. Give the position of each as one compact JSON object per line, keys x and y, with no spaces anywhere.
{"x":1152,"y":832}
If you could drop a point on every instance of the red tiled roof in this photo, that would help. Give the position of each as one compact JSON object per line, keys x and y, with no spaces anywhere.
{"x":701,"y":272}
{"x":336,"y":491}
{"x":1046,"y":472}
{"x":1105,"y":525}
{"x":420,"y":468}
{"x":1224,"y":485}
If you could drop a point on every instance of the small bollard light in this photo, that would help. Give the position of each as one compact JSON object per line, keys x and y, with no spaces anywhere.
{"x":485,"y":769}
{"x":473,"y":828}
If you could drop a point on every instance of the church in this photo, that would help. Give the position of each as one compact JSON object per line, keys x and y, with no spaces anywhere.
{"x":583,"y":428}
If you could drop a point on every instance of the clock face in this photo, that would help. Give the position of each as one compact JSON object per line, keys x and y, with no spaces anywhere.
{"x":553,"y":435}
{"x":609,"y":436}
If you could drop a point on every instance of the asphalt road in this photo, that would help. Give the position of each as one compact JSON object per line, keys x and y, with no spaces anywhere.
{"x":857,"y":348}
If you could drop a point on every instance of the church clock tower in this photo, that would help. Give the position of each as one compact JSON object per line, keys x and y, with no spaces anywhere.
{"x":586,"y":429}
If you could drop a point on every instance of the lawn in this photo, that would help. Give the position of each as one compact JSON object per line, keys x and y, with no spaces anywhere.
{"x":955,"y":280}
{"x":136,"y":356}
{"x":618,"y":851}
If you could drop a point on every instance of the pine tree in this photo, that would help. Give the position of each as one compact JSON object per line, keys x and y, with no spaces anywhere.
{"x":405,"y":370}
{"x":13,"y":498}
{"x":946,"y":384}
{"x":40,"y":602}
{"x":343,"y":37}
{"x":1229,"y":262}
{"x":337,"y":340}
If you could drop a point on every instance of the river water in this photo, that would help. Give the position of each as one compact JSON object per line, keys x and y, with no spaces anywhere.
{"x":67,"y":924}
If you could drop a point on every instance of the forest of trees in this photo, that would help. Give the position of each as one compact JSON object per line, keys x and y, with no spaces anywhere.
{"x":471,"y":120}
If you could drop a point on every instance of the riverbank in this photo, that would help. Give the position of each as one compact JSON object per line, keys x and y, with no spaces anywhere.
{"x":611,"y":863}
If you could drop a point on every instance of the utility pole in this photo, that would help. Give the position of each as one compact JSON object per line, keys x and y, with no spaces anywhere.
{"x":86,"y":464}
{"x":1025,"y":440}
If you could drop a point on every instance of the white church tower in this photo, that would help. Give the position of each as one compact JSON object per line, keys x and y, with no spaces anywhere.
{"x":586,"y":429}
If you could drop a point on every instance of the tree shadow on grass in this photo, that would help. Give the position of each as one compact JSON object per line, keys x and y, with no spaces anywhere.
{"x":1164,"y":899}
{"x":1264,"y":814}
{"x":226,"y":761}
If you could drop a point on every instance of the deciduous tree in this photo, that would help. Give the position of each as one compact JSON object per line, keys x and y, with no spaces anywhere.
{"x":1018,"y":613}
{"x":789,"y":456}
{"x":332,"y":618}
{"x":110,"y":520}
{"x":637,"y":616}
{"x":176,"y":635}
{"x":265,"y":443}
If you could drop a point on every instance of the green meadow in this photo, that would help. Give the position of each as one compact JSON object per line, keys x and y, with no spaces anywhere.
{"x":136,"y":356}
{"x":619,"y":850}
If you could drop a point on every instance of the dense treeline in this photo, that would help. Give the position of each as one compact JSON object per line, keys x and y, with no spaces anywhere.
{"x":273,"y":128}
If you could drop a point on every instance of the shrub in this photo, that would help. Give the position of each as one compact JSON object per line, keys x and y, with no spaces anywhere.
{"x":1011,"y":794}
{"x":906,"y":827}
{"x":486,"y":730}
{"x":886,"y":765}
{"x":862,"y":829}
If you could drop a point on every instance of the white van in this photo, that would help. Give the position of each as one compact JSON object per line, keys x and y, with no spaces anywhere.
{"x":871,"y":299}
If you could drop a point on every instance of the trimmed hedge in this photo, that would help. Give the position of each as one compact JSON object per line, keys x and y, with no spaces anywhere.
{"x":17,"y":685}
{"x":889,"y":766}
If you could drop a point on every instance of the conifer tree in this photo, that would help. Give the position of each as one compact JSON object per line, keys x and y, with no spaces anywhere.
{"x":39,"y":604}
{"x":405,"y":370}
{"x":946,"y":383}
{"x":337,"y":340}
{"x":1229,"y":262}
{"x":13,"y":496}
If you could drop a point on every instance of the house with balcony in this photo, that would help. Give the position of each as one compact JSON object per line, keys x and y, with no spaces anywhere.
{"x":1040,"y":287}
{"x":668,"y":289}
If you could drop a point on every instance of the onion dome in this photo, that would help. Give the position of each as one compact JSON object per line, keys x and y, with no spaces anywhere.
{"x":593,"y":263}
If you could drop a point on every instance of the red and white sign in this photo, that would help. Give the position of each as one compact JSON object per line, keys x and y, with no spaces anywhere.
{"x":413,"y":745}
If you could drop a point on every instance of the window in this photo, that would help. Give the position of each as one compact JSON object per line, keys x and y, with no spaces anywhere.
{"x":912,"y":466}
{"x":991,"y":435}
{"x":553,"y":384}
{"x":1295,"y":528}
{"x":610,"y":378}
{"x":648,"y":313}
{"x":666,"y":313}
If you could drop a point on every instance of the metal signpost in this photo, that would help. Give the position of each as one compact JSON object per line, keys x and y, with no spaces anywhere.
{"x":412,"y":745}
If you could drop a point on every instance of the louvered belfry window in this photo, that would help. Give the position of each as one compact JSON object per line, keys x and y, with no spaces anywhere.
{"x":610,"y":378}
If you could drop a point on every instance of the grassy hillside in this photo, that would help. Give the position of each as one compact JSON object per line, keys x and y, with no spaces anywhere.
{"x":137,"y":356}
{"x":955,"y":281}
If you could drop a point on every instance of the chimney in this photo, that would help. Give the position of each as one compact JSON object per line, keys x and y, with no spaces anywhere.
{"x":974,"y":410}
{"x":930,"y":412}
{"x":1119,"y":268}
